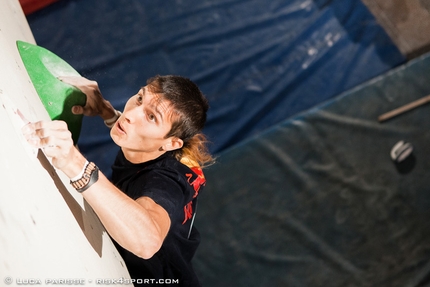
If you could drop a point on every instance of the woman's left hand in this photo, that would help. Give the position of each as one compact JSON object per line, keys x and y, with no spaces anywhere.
{"x":95,"y":105}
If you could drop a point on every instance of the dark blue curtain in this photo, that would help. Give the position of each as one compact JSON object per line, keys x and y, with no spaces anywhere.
{"x":258,"y":62}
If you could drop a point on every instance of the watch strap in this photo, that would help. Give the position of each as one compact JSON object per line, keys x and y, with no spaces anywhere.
{"x":89,"y":177}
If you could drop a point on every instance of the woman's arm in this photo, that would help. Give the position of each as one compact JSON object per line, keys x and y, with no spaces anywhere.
{"x":139,"y":226}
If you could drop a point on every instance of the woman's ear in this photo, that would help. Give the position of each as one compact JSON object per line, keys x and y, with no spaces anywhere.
{"x":173,"y":144}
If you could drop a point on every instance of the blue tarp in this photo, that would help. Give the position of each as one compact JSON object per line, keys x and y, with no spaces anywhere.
{"x":318,"y":201}
{"x":258,"y":62}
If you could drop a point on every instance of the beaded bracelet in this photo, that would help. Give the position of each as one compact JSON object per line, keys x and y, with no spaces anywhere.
{"x":110,"y":122}
{"x":89,"y":177}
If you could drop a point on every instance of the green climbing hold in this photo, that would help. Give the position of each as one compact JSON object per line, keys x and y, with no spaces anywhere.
{"x":44,"y":68}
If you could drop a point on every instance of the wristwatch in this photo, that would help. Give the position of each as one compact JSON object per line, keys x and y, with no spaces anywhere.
{"x":89,"y":177}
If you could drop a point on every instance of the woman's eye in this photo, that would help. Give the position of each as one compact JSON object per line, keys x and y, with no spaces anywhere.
{"x":151,"y":117}
{"x":139,"y":99}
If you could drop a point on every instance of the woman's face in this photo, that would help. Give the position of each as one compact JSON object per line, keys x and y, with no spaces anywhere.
{"x":141,"y":129}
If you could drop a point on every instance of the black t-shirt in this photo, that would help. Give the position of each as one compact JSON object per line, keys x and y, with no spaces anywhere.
{"x":174,"y":186}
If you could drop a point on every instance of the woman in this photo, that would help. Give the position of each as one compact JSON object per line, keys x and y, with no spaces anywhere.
{"x":149,"y":207}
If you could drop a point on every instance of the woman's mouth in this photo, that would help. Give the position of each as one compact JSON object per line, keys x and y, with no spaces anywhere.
{"x":120,"y":128}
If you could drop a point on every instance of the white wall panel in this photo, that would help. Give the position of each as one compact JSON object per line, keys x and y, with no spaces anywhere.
{"x":47,"y":231}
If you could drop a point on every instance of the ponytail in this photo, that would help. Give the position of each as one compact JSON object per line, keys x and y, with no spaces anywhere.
{"x":195,"y":152}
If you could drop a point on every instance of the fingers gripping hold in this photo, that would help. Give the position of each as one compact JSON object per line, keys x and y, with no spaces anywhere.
{"x":53,"y":137}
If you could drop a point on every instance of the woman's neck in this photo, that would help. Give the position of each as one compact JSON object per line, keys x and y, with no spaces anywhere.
{"x":139,"y":156}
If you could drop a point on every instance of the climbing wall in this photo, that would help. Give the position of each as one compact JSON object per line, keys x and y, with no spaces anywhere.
{"x":48,"y":232}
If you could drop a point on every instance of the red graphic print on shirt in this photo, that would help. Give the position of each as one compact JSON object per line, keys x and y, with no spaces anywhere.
{"x":196,"y":183}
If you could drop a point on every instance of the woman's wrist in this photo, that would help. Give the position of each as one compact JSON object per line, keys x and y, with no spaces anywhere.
{"x":81,"y":172}
{"x":110,"y":122}
{"x":90,"y":175}
{"x":77,"y":177}
{"x":75,"y":165}
{"x":108,"y":111}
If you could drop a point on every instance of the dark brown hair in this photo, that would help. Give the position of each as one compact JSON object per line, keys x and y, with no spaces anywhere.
{"x":190,"y":107}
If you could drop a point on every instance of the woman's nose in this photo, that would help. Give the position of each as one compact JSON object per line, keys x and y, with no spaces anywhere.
{"x":131,"y":115}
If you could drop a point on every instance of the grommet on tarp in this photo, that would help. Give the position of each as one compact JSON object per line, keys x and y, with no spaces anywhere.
{"x":403,"y":157}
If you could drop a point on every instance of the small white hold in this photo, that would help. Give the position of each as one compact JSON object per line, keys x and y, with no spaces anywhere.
{"x":401,"y":151}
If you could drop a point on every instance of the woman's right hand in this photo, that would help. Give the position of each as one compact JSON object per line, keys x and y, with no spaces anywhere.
{"x":95,"y":105}
{"x":56,"y":141}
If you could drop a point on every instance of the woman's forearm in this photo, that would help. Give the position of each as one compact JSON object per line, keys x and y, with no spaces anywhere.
{"x":138,"y":227}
